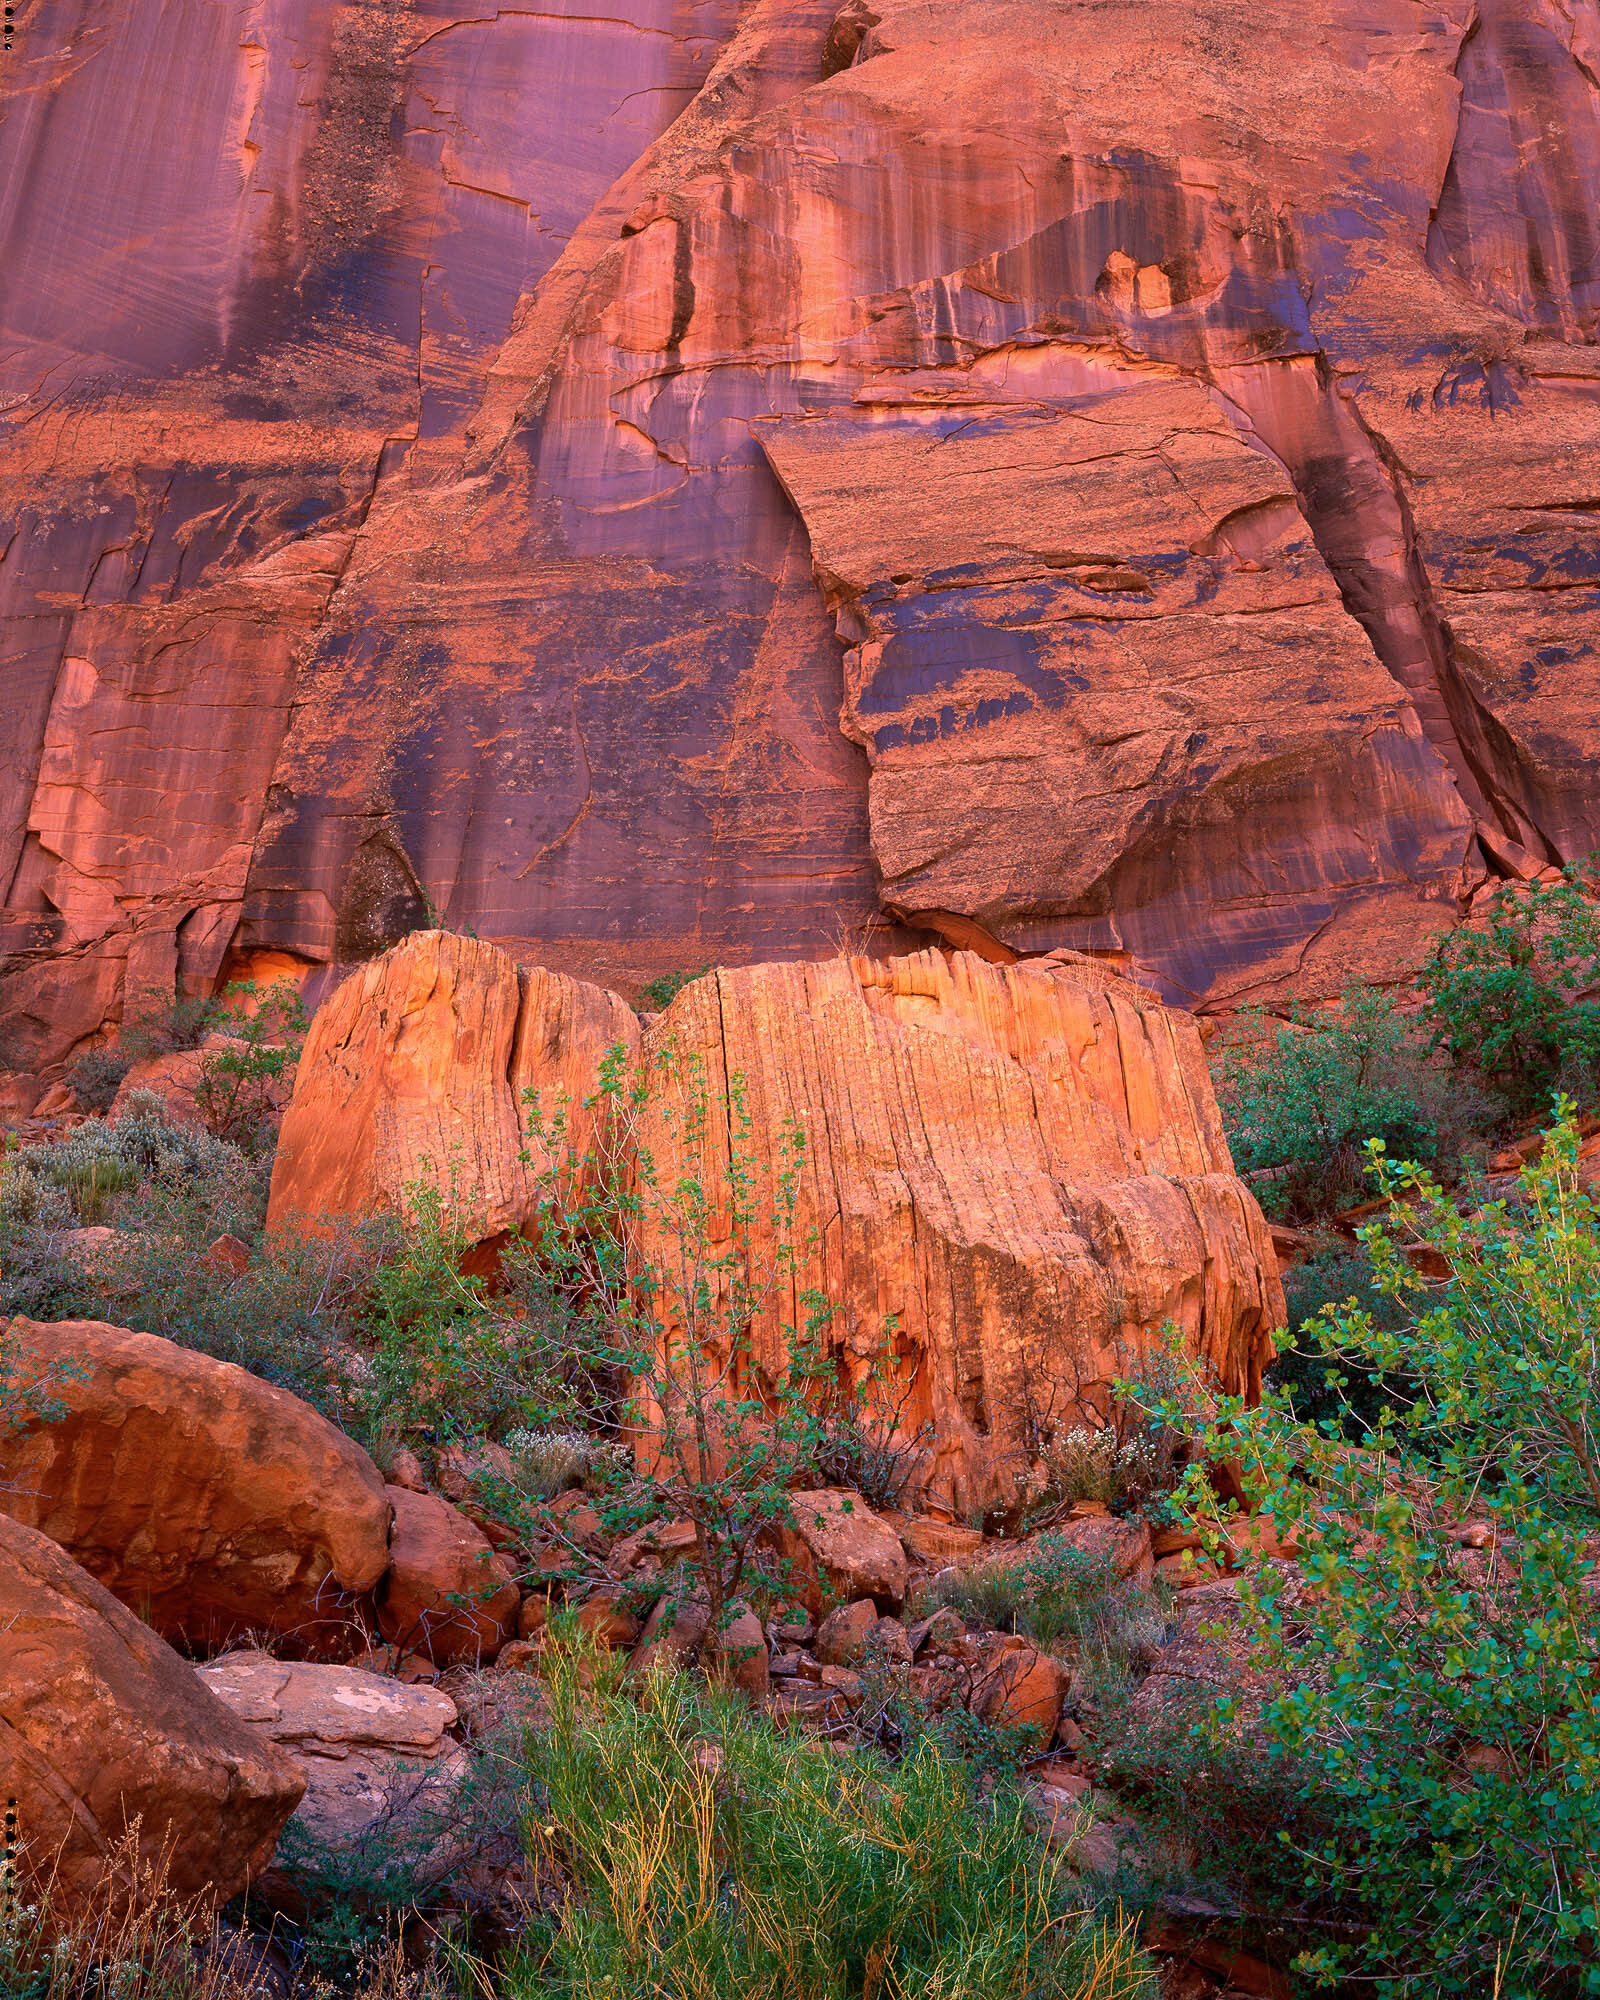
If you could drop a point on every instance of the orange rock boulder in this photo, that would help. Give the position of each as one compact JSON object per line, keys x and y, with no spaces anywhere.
{"x":203,"y":1497}
{"x":836,"y":1547}
{"x":416,"y":1071}
{"x":1021,"y":1168}
{"x":102,"y":1725}
{"x":447,"y":1594}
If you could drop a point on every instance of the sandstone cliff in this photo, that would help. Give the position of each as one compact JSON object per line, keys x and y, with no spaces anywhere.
{"x":679,"y":484}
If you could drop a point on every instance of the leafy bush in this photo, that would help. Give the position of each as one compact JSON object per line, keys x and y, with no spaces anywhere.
{"x":164,"y":1030}
{"x":860,"y":1443}
{"x":104,"y":1170}
{"x":705,"y":1856}
{"x":447,"y":1360}
{"x":1442,"y":1692}
{"x":290,"y":1316}
{"x":1355,"y":1397}
{"x":642,"y":1297}
{"x":139,"y":1173}
{"x":1504,"y":998}
{"x":1225,"y":1813}
{"x":1300,"y":1101}
{"x":95,"y":1079}
{"x":666,"y":987}
{"x":240,"y":1077}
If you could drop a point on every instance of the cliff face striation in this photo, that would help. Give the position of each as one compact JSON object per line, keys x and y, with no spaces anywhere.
{"x":684,"y":482}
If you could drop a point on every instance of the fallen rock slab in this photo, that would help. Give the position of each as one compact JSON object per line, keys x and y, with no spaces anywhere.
{"x":371,"y":1748}
{"x":103,"y":1725}
{"x":206,"y":1499}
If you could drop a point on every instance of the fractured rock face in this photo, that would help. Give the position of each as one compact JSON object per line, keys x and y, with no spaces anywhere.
{"x":203,"y":1497}
{"x":1021,"y":1169}
{"x":1106,"y":683}
{"x":102,"y":1725}
{"x":444,"y":462}
{"x":416,"y":1072}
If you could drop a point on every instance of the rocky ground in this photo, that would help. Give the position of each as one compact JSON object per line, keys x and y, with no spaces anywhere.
{"x":333,"y":1645}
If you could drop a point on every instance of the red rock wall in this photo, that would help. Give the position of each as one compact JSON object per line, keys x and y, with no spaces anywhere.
{"x":662,"y":486}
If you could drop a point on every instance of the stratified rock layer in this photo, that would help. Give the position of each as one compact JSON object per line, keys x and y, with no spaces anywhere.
{"x":672,"y":486}
{"x":104,"y":1730}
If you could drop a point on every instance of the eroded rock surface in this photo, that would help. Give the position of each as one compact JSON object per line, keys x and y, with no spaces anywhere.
{"x":206,"y":1499}
{"x":371,"y":1748}
{"x":101,"y":1726}
{"x":417,"y":1073}
{"x":661,"y":488}
{"x":1014,"y":1178}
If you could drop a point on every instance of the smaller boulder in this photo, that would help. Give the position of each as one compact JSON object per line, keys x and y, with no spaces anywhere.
{"x":674,"y":1633}
{"x":447,"y":1595}
{"x":933,"y":1541}
{"x":174,"y":1078}
{"x":467,"y":1470}
{"x":836,"y":1546}
{"x":842,"y":1636}
{"x":208,"y":1500}
{"x":607,"y":1620}
{"x":1021,"y":1688}
{"x":374,"y":1752}
{"x":891,"y":1642}
{"x":943,"y":1635}
{"x":1124,"y":1547}
{"x":102,"y":1727}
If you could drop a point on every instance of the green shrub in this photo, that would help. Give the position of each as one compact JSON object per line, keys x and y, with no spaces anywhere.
{"x":240,"y":1077}
{"x":112,"y":1172}
{"x":1352,"y":1398}
{"x":860,"y":1443}
{"x":666,"y":987}
{"x":1443,"y":1697}
{"x":447,"y":1360}
{"x":95,"y":1079}
{"x":1300,"y":1102}
{"x":165,"y":1029}
{"x":291,"y":1316}
{"x":1065,"y":1600}
{"x":1229,"y":1810}
{"x":705,"y":1856}
{"x":1503,"y":998}
{"x":642,"y":1298}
